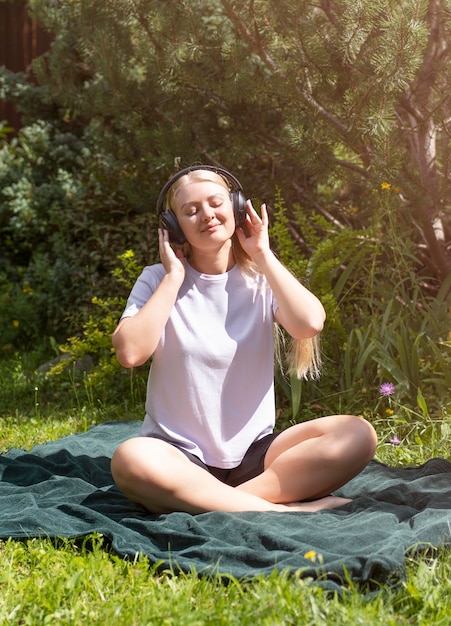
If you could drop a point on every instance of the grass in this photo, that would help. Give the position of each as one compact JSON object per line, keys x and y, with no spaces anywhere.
{"x":70,"y":581}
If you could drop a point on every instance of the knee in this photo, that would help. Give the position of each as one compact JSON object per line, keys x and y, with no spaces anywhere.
{"x":135,"y":460}
{"x":363,"y":435}
{"x":351,"y":439}
{"x":122,"y":467}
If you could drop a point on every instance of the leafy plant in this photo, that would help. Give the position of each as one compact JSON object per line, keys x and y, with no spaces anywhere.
{"x":104,"y":373}
{"x":380,"y":322}
{"x":61,"y":231}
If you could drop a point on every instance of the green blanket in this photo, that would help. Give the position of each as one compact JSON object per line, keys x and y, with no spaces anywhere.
{"x":64,"y":489}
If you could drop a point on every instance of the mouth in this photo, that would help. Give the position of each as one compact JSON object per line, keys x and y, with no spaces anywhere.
{"x":211,"y":228}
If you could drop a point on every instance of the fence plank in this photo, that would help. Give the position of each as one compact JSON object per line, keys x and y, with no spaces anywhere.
{"x":21,"y":40}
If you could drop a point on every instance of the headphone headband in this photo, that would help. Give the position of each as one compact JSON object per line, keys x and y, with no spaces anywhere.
{"x":234,"y":183}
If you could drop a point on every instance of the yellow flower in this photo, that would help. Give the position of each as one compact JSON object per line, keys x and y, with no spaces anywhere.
{"x":385,"y":186}
{"x":311,"y":555}
{"x":389,"y":411}
{"x":16,"y":323}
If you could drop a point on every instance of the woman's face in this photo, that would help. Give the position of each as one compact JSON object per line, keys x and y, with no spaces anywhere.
{"x":205,"y":213}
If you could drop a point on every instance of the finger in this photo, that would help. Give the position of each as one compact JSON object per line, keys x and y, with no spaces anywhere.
{"x":250,"y":208}
{"x":164,"y":235}
{"x":252,"y":213}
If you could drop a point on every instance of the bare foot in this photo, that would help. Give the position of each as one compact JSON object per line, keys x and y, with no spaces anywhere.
{"x":329,"y":502}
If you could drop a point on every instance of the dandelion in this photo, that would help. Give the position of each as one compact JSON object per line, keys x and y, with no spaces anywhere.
{"x":385,"y":186}
{"x":313,"y":556}
{"x":386,"y":389}
{"x":16,"y":323}
{"x":394,"y":440}
{"x":389,"y":411}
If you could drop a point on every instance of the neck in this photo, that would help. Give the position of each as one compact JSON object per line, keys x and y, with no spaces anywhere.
{"x":217,"y":262}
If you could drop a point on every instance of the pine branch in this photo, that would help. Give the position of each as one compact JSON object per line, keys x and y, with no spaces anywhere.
{"x":352,"y":167}
{"x":146,"y":27}
{"x":257,"y":46}
{"x":321,"y":209}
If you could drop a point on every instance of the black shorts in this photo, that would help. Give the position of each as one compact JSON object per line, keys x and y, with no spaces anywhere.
{"x":252,"y":464}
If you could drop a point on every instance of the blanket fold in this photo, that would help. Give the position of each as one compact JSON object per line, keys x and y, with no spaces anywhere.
{"x":64,"y":488}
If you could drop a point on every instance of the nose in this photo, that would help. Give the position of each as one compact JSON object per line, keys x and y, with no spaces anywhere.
{"x":208,"y":213}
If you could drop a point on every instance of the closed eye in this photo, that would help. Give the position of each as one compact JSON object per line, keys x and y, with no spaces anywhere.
{"x":215,"y":202}
{"x":190,"y":210}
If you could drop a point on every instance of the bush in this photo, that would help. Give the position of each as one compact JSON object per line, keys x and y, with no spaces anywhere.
{"x":61,"y":232}
{"x":382,"y":325}
{"x":104,"y":379}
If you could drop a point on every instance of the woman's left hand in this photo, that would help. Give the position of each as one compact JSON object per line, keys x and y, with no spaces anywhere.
{"x":253,"y":236}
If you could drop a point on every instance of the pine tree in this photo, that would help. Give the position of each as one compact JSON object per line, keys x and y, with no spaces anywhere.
{"x":297,"y":93}
{"x":293,"y":92}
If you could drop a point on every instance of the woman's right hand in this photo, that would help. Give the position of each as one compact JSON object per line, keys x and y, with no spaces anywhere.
{"x":173,"y":261}
{"x":136,"y":338}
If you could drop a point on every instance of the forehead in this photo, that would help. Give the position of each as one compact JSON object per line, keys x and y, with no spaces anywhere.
{"x":196,"y":191}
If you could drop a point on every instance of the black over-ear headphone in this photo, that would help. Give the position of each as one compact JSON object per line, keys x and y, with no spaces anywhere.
{"x":168,"y":218}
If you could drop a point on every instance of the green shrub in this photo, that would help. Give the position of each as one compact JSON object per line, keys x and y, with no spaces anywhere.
{"x":90,"y":362}
{"x":61,"y":232}
{"x":382,"y":324}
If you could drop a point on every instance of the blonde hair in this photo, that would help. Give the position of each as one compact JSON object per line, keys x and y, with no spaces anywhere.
{"x":304,"y":357}
{"x":194,"y":176}
{"x":301,"y":356}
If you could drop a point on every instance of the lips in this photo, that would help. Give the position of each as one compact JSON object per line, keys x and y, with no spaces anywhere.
{"x":210,"y":227}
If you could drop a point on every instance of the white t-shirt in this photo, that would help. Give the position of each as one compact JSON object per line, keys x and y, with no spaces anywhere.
{"x":211,"y":383}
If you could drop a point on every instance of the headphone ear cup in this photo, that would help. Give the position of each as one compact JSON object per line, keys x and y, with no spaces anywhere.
{"x":239,"y":207}
{"x":170,"y":223}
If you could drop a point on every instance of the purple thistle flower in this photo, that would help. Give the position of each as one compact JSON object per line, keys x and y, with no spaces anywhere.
{"x":386,"y":389}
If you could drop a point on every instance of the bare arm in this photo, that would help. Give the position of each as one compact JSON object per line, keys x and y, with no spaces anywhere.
{"x":136,"y":338}
{"x":300,"y":312}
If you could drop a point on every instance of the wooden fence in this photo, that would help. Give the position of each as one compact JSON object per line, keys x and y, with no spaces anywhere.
{"x":21,"y":40}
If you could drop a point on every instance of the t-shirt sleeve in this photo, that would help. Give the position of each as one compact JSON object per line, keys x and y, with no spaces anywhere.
{"x":144,"y":287}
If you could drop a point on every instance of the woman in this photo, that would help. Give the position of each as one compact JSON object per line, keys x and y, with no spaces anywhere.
{"x":206,"y":314}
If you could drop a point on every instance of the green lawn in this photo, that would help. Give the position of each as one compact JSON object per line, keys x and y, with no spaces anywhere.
{"x":66,"y":582}
{"x":82,"y":582}
{"x":44,"y":581}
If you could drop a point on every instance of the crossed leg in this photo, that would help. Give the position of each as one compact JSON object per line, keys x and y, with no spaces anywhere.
{"x":303,"y":465}
{"x":310,"y":460}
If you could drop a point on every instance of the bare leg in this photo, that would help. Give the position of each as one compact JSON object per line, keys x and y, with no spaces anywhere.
{"x":310,"y":460}
{"x":163,"y":479}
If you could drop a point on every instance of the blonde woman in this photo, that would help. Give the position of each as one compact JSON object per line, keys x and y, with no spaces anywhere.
{"x":205,"y":315}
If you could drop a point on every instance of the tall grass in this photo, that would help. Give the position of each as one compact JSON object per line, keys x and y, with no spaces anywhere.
{"x":387,"y":320}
